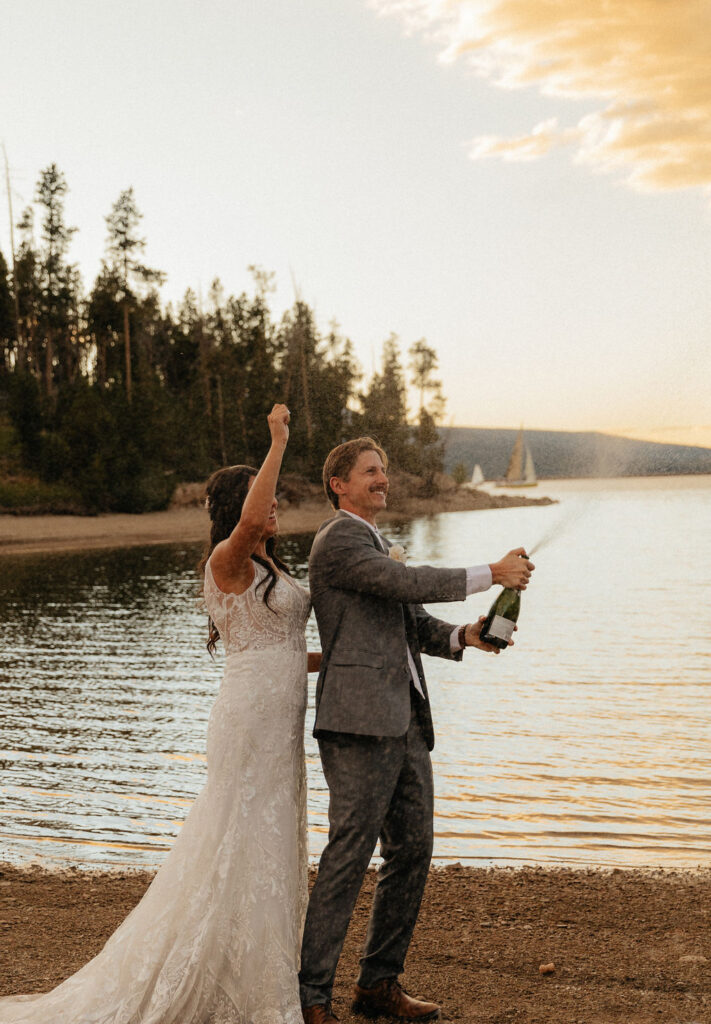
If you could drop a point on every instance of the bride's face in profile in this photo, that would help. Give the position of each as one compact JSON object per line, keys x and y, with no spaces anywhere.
{"x":272,"y":525}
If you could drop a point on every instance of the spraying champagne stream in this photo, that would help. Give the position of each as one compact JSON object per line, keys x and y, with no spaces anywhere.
{"x":498,"y":626}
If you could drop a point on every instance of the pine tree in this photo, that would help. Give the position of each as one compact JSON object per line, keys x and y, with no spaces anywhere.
{"x":429,"y":448}
{"x":460,"y":474}
{"x":257,"y":344}
{"x":105,"y":325}
{"x":300,"y":341}
{"x":333,"y":391}
{"x":58,"y":283}
{"x":29,"y":290}
{"x":124,"y":247}
{"x":423,"y":363}
{"x":384,"y":406}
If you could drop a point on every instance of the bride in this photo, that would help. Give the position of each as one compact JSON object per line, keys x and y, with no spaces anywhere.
{"x":215,"y":939}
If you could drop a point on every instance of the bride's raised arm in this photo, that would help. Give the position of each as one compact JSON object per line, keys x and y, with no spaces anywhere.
{"x":230,"y":561}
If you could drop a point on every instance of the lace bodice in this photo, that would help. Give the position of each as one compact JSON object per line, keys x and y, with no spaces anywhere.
{"x":244,"y":620}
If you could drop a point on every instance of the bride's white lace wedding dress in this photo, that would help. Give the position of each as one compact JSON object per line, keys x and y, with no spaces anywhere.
{"x":215,"y":939}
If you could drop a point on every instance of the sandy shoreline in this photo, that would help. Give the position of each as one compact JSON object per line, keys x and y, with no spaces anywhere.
{"x":41,"y":534}
{"x":629,"y":947}
{"x":35,"y":534}
{"x":24,"y":534}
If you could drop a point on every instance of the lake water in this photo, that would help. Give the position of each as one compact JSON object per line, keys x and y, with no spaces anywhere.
{"x":588,"y":743}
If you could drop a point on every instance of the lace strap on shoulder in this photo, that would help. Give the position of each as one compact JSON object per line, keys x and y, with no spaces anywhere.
{"x":210,"y":587}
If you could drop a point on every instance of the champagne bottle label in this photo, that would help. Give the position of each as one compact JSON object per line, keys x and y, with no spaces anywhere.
{"x":501,"y":628}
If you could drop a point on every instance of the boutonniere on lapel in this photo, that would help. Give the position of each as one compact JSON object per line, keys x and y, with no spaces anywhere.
{"x":398,"y":553}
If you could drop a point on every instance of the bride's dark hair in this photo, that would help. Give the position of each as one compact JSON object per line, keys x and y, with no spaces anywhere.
{"x":226,"y":492}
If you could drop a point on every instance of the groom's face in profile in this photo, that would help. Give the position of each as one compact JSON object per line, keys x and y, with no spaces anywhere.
{"x":366,"y":489}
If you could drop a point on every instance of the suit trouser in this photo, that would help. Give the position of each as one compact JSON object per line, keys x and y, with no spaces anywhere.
{"x":380,"y":787}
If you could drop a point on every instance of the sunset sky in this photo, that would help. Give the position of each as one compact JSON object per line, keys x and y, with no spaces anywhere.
{"x":526,"y":184}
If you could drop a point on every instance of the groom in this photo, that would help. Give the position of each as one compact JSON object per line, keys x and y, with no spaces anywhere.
{"x":374,"y":731}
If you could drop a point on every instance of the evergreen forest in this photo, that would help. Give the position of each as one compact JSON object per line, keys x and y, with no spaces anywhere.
{"x":109,"y":396}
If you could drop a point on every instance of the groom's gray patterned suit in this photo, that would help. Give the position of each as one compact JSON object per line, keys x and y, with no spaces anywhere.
{"x":374,"y":731}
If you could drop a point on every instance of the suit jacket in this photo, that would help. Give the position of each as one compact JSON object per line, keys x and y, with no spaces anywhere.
{"x":368,"y":608}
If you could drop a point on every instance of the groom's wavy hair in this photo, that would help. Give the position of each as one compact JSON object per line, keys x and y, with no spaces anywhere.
{"x":341,"y":460}
{"x":226,"y":492}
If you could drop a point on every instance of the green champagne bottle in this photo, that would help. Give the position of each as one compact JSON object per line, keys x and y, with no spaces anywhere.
{"x":497,"y":629}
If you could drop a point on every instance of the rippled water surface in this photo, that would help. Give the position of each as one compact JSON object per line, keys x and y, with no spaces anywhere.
{"x":589,"y":742}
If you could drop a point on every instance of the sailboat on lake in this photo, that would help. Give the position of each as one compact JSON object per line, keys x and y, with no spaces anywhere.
{"x":520,"y":471}
{"x":477,"y":478}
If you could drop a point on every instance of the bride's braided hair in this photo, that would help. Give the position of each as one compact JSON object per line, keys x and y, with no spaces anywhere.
{"x":226,"y":492}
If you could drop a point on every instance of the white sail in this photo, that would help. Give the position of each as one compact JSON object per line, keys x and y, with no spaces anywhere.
{"x":529,"y":472}
{"x":520,"y":471}
{"x":477,"y":476}
{"x":514,"y":470}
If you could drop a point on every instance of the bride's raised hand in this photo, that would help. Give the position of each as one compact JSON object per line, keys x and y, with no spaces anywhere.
{"x":278,"y":420}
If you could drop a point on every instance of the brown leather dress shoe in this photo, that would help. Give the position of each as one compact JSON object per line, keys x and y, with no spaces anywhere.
{"x":320,"y":1014}
{"x":389,"y":999}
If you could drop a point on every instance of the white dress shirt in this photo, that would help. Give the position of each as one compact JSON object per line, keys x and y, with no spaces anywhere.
{"x":478,"y":579}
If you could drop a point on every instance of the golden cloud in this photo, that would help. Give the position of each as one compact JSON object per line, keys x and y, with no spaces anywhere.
{"x":647,"y":61}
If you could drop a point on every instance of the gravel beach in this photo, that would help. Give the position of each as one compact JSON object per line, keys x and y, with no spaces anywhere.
{"x":627,"y":946}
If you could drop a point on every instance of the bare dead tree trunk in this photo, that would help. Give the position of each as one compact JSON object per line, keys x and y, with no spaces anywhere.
{"x":204,"y":372}
{"x":127,"y":348}
{"x":100,"y":360}
{"x":48,"y":363}
{"x":305,"y":388}
{"x":21,"y":354}
{"x":221,"y":421}
{"x":243,"y":425}
{"x":297,"y":360}
{"x":33,"y":354}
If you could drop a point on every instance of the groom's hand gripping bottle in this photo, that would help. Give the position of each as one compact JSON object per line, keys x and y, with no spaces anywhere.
{"x":498,"y":626}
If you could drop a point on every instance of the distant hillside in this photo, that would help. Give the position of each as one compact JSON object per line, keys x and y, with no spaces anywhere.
{"x":566,"y":454}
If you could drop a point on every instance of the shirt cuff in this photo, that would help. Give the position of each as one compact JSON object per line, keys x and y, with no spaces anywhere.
{"x":478,"y":579}
{"x":454,"y":644}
